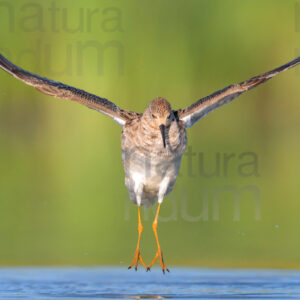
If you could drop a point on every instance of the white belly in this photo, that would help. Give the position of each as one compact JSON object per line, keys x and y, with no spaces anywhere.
{"x":151,"y":179}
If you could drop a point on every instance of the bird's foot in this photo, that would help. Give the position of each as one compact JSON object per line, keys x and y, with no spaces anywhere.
{"x":137,"y":257}
{"x":161,"y":261}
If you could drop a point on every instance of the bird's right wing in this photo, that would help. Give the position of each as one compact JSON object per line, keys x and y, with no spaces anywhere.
{"x":202,"y":107}
{"x":63,"y":91}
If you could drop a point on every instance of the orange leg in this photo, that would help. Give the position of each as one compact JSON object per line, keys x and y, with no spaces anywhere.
{"x":137,"y":254}
{"x":159,"y":254}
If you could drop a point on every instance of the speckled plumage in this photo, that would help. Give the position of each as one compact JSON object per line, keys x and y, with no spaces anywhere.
{"x":153,"y":142}
{"x":145,"y":159}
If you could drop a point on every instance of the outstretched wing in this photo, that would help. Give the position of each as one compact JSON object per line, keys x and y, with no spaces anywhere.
{"x":63,"y":91}
{"x":202,"y":107}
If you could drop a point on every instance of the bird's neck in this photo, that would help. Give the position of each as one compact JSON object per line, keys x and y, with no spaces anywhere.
{"x":150,"y":137}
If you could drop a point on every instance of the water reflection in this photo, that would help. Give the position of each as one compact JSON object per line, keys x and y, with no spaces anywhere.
{"x":146,"y":297}
{"x":118,"y":283}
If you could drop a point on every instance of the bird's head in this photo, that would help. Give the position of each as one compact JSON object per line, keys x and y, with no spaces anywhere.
{"x":160,"y":115}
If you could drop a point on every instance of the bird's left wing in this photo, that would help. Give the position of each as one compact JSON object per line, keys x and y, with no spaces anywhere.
{"x":63,"y":91}
{"x":202,"y":107}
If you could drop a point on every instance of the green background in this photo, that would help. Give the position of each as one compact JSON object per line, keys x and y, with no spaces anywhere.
{"x":62,"y":195}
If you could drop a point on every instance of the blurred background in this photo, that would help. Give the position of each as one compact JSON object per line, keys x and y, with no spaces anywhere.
{"x":62,"y":195}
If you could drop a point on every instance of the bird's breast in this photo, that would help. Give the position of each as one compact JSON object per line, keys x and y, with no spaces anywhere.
{"x":146,"y":161}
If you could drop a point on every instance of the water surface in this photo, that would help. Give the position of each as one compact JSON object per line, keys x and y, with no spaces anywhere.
{"x":120,"y":283}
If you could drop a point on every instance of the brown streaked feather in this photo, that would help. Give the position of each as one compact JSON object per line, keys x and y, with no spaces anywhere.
{"x":202,"y":107}
{"x":63,"y":91}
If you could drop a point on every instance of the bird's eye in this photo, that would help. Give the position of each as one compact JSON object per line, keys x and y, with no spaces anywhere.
{"x":153,"y":116}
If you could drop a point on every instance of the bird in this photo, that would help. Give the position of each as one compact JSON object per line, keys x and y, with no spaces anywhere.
{"x":152,"y":142}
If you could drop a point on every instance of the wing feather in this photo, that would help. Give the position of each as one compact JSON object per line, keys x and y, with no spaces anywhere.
{"x":63,"y":91}
{"x":202,"y":107}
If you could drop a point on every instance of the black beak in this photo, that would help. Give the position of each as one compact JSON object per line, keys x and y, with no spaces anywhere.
{"x":162,"y":130}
